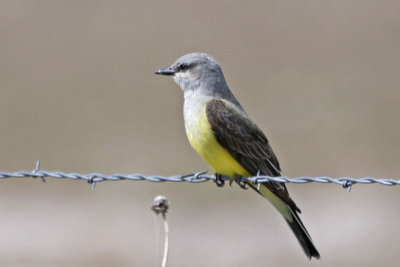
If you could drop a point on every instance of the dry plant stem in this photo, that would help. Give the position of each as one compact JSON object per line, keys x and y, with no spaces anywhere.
{"x":165,"y":257}
{"x":160,"y":205}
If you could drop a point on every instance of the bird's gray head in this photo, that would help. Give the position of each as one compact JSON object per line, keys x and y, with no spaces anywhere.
{"x":198,"y":72}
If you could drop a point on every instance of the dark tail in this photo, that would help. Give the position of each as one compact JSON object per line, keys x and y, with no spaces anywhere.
{"x":303,"y":236}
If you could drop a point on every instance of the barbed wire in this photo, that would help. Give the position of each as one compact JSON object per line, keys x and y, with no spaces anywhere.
{"x":198,"y":177}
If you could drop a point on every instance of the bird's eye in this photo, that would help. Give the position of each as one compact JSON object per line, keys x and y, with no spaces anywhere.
{"x":183,"y":67}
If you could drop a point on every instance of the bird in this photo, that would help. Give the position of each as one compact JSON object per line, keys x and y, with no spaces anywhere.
{"x":222,"y":133}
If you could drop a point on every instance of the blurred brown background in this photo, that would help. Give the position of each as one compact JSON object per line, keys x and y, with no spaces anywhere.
{"x":77,"y":91}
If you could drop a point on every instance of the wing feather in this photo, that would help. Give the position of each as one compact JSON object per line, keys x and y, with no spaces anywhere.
{"x":247,"y":144}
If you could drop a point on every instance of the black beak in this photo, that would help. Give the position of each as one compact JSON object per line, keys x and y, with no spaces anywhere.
{"x":167,"y":71}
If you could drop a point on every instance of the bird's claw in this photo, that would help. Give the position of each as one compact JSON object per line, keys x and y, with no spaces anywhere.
{"x":218,"y":180}
{"x":241,"y":183}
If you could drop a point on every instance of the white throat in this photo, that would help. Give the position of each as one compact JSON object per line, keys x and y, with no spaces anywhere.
{"x":194,"y":108}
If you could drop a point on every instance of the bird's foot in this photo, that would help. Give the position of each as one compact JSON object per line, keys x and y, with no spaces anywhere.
{"x":241,"y":183}
{"x":219,"y":180}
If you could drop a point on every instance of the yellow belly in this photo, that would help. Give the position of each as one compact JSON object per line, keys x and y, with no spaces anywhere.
{"x":206,"y":145}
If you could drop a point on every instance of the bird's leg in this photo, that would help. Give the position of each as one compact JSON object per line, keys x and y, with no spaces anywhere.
{"x":241,"y":184}
{"x":218,"y":180}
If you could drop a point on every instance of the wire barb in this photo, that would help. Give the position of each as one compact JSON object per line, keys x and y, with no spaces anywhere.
{"x":347,"y":184}
{"x":36,"y":170}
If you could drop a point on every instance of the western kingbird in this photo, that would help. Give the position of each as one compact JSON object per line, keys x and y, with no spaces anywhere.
{"x":222,"y":133}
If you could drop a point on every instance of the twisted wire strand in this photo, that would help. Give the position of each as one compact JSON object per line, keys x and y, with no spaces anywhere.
{"x":198,"y":177}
